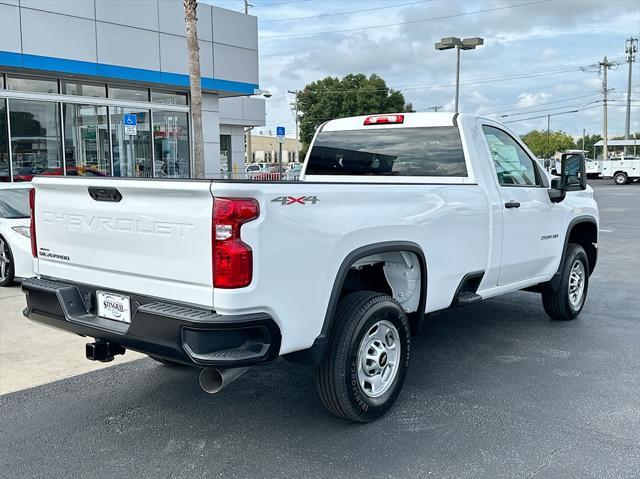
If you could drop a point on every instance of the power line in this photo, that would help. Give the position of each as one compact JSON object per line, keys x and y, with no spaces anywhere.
{"x":559,"y":100}
{"x":280,"y":3}
{"x":343,"y":13}
{"x":417,"y":86}
{"x":576,"y":110}
{"x":444,"y":17}
{"x":545,"y":109}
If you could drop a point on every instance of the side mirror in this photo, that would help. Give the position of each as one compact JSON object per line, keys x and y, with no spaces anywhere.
{"x":573,"y":176}
{"x":573,"y":172}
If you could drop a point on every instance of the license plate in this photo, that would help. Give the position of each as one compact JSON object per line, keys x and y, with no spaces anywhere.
{"x":114,"y":306}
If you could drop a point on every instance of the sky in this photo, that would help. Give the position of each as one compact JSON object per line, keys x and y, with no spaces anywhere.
{"x":537,"y":58}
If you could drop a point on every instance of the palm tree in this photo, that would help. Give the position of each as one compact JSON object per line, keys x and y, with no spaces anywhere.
{"x":191,"y":19}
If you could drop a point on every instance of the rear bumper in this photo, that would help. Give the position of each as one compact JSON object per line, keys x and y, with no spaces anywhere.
{"x":180,"y":333}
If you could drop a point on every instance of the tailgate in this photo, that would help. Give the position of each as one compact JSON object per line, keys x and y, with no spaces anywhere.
{"x":155,"y":240}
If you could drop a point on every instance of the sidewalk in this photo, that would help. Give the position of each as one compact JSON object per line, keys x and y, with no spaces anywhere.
{"x":32,"y":354}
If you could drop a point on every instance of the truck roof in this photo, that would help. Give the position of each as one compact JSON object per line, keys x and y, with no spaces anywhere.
{"x":410,"y":120}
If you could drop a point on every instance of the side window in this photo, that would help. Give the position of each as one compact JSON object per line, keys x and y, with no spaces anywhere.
{"x":513,"y":166}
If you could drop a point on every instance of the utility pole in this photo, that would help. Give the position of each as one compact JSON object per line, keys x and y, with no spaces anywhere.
{"x":604,"y":66}
{"x":247,"y":5}
{"x":548,"y":131}
{"x":631,"y":48}
{"x":295,"y":94}
{"x":434,"y":108}
{"x":583,"y":134}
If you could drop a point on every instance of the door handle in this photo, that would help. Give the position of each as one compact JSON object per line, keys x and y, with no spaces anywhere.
{"x":512,"y":204}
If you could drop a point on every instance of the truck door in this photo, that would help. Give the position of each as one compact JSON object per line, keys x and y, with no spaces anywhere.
{"x":531,"y":233}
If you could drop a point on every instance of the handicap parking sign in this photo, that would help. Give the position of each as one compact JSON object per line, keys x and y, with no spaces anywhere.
{"x":130,"y":119}
{"x":280,"y":131}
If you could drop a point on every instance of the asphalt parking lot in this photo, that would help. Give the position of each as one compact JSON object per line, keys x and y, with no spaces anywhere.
{"x":494,"y":390}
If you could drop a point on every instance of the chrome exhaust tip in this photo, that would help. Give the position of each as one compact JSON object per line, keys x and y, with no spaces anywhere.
{"x":212,"y":380}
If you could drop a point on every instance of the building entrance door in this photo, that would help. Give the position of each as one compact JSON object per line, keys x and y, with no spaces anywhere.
{"x":131,"y":147}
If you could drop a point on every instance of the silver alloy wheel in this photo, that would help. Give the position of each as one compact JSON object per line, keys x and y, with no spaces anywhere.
{"x":5,"y":260}
{"x":576,"y":283}
{"x":378,"y":359}
{"x":620,"y":179}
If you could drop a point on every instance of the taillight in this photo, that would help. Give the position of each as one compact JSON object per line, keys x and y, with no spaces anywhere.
{"x":32,"y":222}
{"x":232,"y":258}
{"x":384,"y":119}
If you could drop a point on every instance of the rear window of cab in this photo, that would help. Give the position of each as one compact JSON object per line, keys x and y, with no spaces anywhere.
{"x":428,"y":151}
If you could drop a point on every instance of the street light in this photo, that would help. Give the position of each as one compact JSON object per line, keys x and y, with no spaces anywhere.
{"x":466,"y":44}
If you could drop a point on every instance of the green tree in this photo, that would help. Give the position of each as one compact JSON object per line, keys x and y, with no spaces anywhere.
{"x":589,"y":141}
{"x":544,"y":147}
{"x":355,"y":94}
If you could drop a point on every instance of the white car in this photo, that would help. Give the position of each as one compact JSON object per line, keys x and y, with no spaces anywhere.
{"x":395,"y":216}
{"x":16,"y":261}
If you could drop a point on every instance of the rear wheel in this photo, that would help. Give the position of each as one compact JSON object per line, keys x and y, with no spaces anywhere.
{"x":367,"y":359}
{"x":567,"y":301}
{"x":621,"y":178}
{"x":7,"y":271}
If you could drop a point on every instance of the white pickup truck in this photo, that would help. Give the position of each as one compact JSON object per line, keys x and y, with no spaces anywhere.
{"x":623,"y":170}
{"x":395,"y":216}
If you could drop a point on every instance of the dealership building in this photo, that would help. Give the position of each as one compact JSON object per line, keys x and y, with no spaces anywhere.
{"x":100,"y":87}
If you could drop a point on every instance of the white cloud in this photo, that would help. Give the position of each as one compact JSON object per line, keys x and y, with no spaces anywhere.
{"x":532,"y":99}
{"x":555,"y":38}
{"x":548,"y":54}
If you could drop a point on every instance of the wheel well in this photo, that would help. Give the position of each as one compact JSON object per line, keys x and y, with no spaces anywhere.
{"x":617,"y":172}
{"x":376,"y":267}
{"x":586,"y":235}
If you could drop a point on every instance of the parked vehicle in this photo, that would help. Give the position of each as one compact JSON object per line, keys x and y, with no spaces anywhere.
{"x":593,"y":168}
{"x":269,"y":173}
{"x":623,"y":170}
{"x":293,"y":172}
{"x":252,"y":168}
{"x":396,"y":216}
{"x":16,"y":261}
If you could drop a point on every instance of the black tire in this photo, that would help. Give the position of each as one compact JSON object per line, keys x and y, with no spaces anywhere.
{"x":166,"y":362}
{"x":10,"y":273}
{"x":621,"y":178}
{"x":337,"y":380}
{"x":556,"y":302}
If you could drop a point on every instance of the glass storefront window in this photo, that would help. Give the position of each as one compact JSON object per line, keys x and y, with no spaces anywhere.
{"x":86,"y":140}
{"x":169,"y":98}
{"x":128,"y":93}
{"x":32,"y":84}
{"x":171,"y":144}
{"x":131,"y":153}
{"x":1,"y":81}
{"x":35,"y":138}
{"x":5,"y":174}
{"x":84,"y":89}
{"x":225,"y":156}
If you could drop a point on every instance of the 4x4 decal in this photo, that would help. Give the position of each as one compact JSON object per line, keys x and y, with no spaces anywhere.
{"x":292,"y":200}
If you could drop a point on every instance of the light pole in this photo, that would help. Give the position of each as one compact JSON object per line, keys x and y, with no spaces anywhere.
{"x":249,"y":147}
{"x":295,"y":94}
{"x":466,"y":44}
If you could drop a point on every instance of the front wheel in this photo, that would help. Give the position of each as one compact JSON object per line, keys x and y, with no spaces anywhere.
{"x":621,"y":178}
{"x":566,"y":302}
{"x":367,"y":358}
{"x":6,"y":264}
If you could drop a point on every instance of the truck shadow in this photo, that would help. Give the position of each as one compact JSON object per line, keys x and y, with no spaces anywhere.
{"x":489,"y":370}
{"x":458,"y":351}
